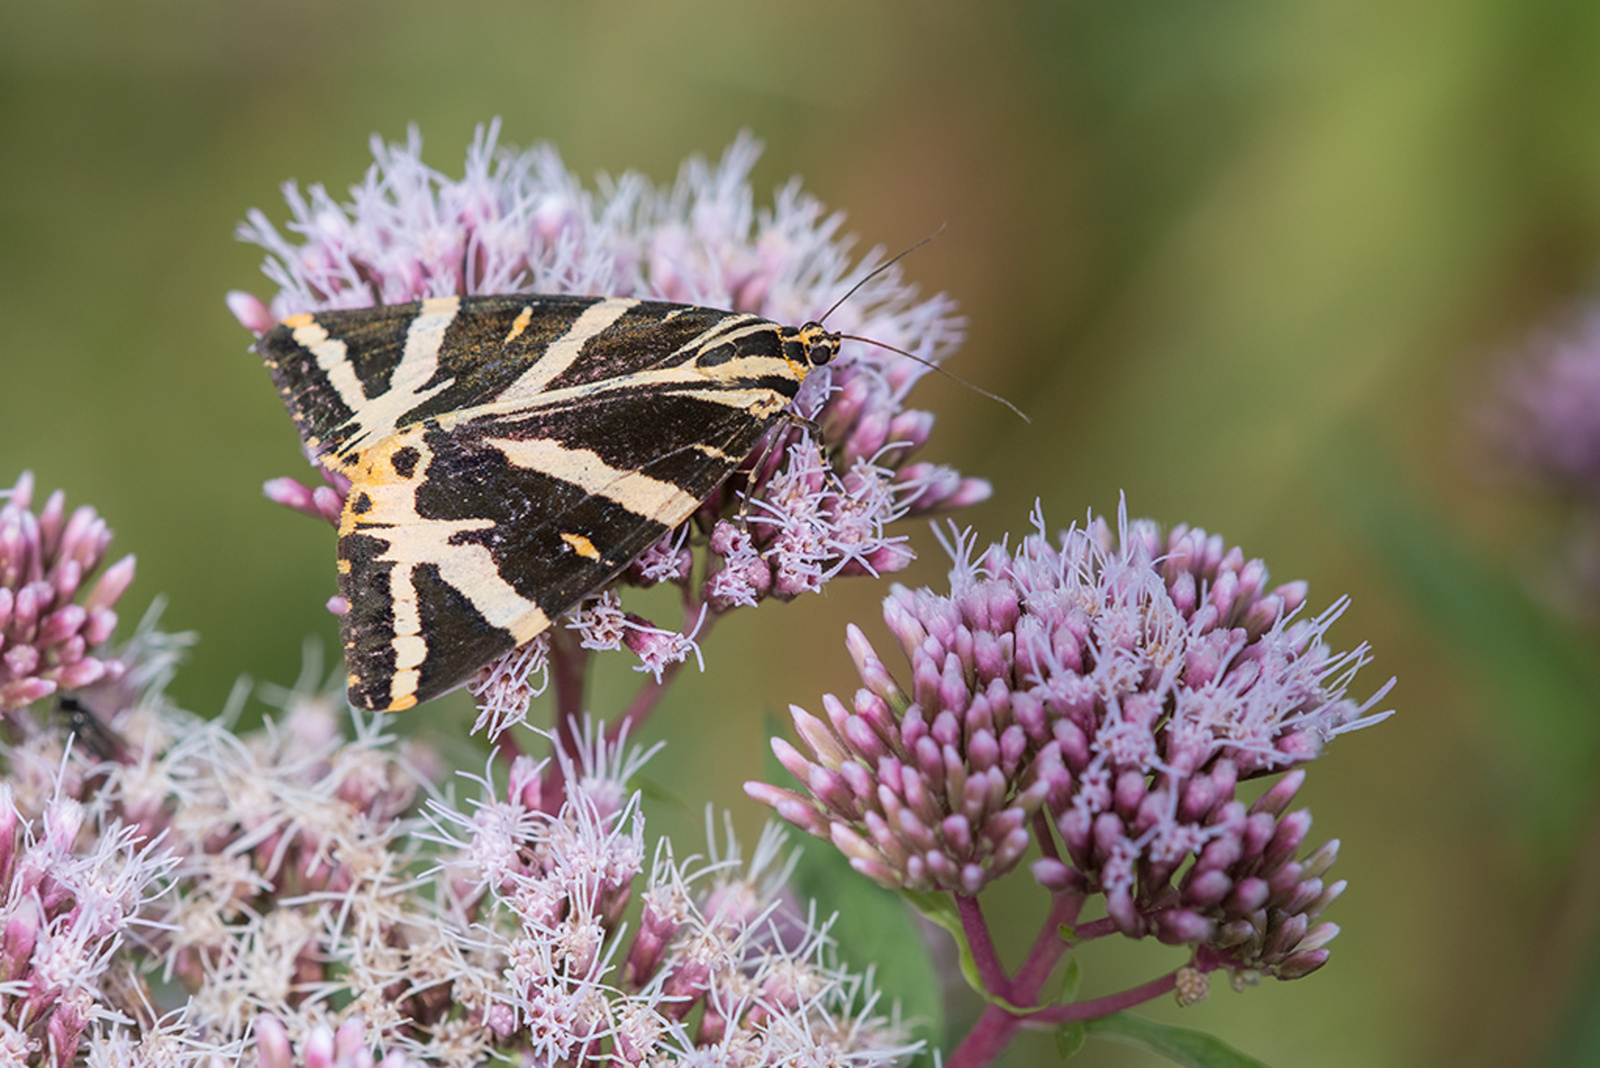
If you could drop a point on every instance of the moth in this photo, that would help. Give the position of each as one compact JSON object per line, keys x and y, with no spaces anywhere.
{"x":509,"y":455}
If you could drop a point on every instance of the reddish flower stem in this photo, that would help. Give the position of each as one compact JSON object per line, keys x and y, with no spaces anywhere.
{"x":1088,"y":932}
{"x":644,"y":702}
{"x":1042,"y":835}
{"x":569,"y":671}
{"x":990,"y":971}
{"x":996,"y":1027}
{"x":1097,"y":1007}
{"x":987,"y":1040}
{"x":1048,"y":948}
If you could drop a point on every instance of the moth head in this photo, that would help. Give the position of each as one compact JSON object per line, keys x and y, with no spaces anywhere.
{"x":819,"y":343}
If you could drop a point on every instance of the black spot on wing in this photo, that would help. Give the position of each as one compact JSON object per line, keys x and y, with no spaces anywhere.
{"x":405,"y":460}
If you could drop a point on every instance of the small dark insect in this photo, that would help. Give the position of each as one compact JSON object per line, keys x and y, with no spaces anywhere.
{"x":91,"y":732}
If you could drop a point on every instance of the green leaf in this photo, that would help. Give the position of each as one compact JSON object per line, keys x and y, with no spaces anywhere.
{"x":1070,"y":1038}
{"x":1577,"y":1038}
{"x":1194,"y":1049}
{"x":940,"y":909}
{"x":1063,"y":985}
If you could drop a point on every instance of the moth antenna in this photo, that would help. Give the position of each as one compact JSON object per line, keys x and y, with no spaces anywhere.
{"x":876,"y":271}
{"x":1020,"y":414}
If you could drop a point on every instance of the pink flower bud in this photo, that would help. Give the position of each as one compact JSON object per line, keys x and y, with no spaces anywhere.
{"x":272,"y":1043}
{"x":257,"y":318}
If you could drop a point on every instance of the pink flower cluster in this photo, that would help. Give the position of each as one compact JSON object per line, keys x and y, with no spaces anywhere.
{"x":1548,"y":416}
{"x":1101,"y":695}
{"x":1545,"y":418}
{"x":298,"y":907}
{"x":722,"y":968}
{"x":71,"y":896}
{"x":50,"y":637}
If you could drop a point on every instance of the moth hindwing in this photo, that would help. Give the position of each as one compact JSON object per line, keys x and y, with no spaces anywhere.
{"x":509,"y":455}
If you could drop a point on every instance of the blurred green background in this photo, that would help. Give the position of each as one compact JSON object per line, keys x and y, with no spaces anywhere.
{"x":1253,"y":264}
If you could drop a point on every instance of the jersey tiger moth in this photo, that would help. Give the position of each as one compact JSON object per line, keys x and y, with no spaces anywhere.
{"x":509,"y":455}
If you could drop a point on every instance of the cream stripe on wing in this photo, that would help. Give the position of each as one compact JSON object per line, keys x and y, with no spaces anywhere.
{"x":561,"y":353}
{"x":410,"y":648}
{"x":330,"y":354}
{"x":638,"y":493}
{"x":391,"y":516}
{"x":729,"y":384}
{"x":378,"y":417}
{"x":424,"y":339}
{"x":759,"y":402}
{"x":469,"y":568}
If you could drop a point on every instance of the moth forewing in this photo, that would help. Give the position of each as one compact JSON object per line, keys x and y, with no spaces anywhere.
{"x":510,"y":455}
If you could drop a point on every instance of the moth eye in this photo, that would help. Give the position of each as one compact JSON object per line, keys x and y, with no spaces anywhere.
{"x":821,"y":346}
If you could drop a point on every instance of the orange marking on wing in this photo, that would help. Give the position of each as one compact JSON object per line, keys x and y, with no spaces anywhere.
{"x":582,"y":546}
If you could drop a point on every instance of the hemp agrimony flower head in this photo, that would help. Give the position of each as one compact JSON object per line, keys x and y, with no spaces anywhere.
{"x":1544,"y":418}
{"x":50,"y":637}
{"x":193,"y":896}
{"x":1100,"y":696}
{"x":1548,"y":417}
{"x":277,"y":893}
{"x":794,"y":517}
{"x":73,"y":894}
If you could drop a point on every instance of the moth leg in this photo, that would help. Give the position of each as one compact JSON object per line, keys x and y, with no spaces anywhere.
{"x":771,"y":443}
{"x":823,"y":446}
